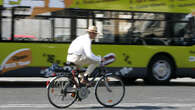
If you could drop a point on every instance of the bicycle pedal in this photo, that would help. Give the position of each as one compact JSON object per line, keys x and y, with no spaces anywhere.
{"x":79,"y":99}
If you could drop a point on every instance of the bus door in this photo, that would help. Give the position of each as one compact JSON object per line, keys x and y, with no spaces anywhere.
{"x":192,"y":41}
{"x":184,"y":39}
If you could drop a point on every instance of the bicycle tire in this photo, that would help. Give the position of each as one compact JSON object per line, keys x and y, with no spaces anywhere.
{"x":109,"y":91}
{"x":61,"y":92}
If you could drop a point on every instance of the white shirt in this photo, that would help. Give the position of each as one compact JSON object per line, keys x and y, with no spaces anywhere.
{"x":82,"y":46}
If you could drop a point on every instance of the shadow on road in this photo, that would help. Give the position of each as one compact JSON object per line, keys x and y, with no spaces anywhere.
{"x":141,"y":83}
{"x":125,"y":108}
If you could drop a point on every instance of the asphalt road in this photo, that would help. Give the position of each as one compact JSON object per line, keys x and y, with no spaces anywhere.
{"x":173,"y":96}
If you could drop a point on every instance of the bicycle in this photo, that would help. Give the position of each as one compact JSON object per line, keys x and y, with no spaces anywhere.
{"x":66,"y":88}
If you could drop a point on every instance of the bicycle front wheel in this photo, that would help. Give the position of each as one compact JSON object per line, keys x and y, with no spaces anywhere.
{"x":109,"y":91}
{"x":62,"y":92}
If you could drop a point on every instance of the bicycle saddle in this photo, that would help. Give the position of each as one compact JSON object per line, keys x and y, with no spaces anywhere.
{"x":69,"y":64}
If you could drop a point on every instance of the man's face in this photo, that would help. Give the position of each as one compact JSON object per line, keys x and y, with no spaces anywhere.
{"x":92,"y":35}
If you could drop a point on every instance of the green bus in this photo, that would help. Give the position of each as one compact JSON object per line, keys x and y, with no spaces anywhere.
{"x":154,"y":46}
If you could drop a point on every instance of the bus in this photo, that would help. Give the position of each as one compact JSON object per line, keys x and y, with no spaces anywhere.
{"x":153,"y":45}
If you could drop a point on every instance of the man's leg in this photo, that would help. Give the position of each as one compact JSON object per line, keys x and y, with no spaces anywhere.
{"x":84,"y":78}
{"x":90,"y":69}
{"x":92,"y":65}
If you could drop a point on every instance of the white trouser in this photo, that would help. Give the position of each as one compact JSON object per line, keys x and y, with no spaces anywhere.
{"x":80,"y":60}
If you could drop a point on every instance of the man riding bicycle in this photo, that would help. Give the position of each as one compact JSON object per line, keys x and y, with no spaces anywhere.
{"x":80,"y":53}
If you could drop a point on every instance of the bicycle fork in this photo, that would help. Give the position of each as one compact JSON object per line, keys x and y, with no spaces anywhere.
{"x":106,"y":84}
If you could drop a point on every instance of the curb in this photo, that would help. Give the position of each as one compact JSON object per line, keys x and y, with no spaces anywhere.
{"x":23,"y":81}
{"x":22,"y":84}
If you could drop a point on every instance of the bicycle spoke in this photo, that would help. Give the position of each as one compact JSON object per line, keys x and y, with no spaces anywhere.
{"x":109,"y":91}
{"x":61,"y":93}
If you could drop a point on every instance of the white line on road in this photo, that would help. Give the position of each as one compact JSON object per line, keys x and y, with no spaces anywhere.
{"x":25,"y":106}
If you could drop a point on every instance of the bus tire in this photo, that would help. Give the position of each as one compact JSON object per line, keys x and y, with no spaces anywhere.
{"x":160,"y":70}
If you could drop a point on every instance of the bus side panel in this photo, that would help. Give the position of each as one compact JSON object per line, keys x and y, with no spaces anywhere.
{"x":44,"y":54}
{"x":133,"y":57}
{"x":28,"y":59}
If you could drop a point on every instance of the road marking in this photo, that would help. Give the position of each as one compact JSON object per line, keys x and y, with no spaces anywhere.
{"x":25,"y":106}
{"x":122,"y":105}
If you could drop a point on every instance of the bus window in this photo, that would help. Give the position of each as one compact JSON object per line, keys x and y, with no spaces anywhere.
{"x":36,"y":30}
{"x":115,"y":27}
{"x":180,"y":29}
{"x":6,"y":29}
{"x":6,"y":25}
{"x":82,"y":25}
{"x":192,"y":25}
{"x":107,"y":32}
{"x":125,"y":27}
{"x":62,"y":29}
{"x":148,"y":16}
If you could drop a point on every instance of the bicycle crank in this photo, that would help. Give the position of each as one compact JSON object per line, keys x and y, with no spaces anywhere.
{"x":83,"y":93}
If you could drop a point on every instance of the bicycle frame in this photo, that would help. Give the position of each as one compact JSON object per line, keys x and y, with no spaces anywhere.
{"x":101,"y":73}
{"x":75,"y":73}
{"x":80,"y":91}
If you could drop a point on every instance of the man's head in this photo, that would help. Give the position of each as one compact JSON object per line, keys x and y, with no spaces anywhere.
{"x":92,"y":32}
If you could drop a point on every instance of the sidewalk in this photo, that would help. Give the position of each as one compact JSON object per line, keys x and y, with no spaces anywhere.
{"x":24,"y":79}
{"x":183,"y":80}
{"x":40,"y":81}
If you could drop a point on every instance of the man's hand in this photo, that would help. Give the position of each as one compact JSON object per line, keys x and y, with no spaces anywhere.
{"x":103,"y":59}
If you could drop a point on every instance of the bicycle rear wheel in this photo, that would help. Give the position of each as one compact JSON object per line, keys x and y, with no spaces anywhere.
{"x":62,"y":92}
{"x":109,"y":91}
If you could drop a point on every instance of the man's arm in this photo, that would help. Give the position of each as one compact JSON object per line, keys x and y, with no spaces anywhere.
{"x":89,"y":53}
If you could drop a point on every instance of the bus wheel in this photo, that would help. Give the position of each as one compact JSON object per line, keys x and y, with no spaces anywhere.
{"x":160,"y":69}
